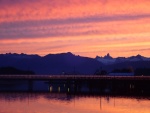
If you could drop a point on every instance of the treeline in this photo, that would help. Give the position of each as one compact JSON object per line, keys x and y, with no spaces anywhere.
{"x":137,"y":72}
{"x":142,"y":72}
{"x":14,"y":71}
{"x":124,"y":70}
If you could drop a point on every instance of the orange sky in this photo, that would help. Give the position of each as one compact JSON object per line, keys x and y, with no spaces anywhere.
{"x":83,"y":27}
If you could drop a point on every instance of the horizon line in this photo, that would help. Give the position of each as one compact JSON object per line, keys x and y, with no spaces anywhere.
{"x":72,"y":54}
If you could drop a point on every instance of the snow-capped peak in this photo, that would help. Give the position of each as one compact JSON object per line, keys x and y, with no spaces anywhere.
{"x":107,"y":59}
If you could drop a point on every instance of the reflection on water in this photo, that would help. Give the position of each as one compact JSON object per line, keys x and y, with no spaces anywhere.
{"x":74,"y":96}
{"x":104,"y":87}
{"x":64,"y":103}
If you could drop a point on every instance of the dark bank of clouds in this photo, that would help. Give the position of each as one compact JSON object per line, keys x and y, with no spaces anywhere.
{"x":54,"y":27}
{"x":12,"y":2}
{"x":59,"y":27}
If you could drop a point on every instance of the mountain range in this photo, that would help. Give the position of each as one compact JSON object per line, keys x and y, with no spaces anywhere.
{"x":107,"y":60}
{"x":68,"y":63}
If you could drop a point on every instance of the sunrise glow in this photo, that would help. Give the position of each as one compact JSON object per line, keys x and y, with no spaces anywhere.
{"x":83,"y":27}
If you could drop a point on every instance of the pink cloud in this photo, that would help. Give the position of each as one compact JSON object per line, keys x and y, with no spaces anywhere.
{"x":111,"y":21}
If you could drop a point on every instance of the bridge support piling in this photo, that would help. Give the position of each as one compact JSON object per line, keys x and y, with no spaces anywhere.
{"x":30,"y":85}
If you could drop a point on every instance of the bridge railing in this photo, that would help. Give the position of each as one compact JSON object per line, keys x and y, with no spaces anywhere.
{"x":45,"y":77}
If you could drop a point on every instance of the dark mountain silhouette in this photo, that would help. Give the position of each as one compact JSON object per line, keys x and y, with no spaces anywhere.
{"x":68,"y":63}
{"x":126,"y":64}
{"x":108,"y":60}
{"x":108,"y":56}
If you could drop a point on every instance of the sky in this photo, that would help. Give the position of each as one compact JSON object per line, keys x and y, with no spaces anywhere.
{"x":83,"y":27}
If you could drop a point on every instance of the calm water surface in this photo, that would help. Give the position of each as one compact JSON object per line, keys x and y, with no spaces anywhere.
{"x":64,"y":103}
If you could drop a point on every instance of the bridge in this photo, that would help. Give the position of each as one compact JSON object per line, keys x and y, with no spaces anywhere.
{"x":75,"y":83}
{"x":71,"y":77}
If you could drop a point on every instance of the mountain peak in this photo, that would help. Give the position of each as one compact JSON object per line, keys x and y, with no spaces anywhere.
{"x":107,"y":56}
{"x":139,"y":56}
{"x":69,"y":53}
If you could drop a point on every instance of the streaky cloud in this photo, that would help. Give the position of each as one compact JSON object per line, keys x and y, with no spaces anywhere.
{"x":60,"y":27}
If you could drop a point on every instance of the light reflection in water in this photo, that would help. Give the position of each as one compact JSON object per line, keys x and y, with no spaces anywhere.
{"x":63,"y":103}
{"x":51,"y":88}
{"x":58,"y":89}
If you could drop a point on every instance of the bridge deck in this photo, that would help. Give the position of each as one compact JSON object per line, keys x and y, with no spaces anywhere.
{"x":86,"y":77}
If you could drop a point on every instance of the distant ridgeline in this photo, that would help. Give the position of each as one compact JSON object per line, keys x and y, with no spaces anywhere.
{"x":70,"y":64}
{"x":14,"y":71}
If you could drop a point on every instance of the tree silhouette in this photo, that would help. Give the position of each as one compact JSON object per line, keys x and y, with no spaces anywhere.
{"x":14,"y":71}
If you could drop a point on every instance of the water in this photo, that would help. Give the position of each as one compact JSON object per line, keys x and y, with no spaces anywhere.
{"x":65,"y":103}
{"x":82,"y":97}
